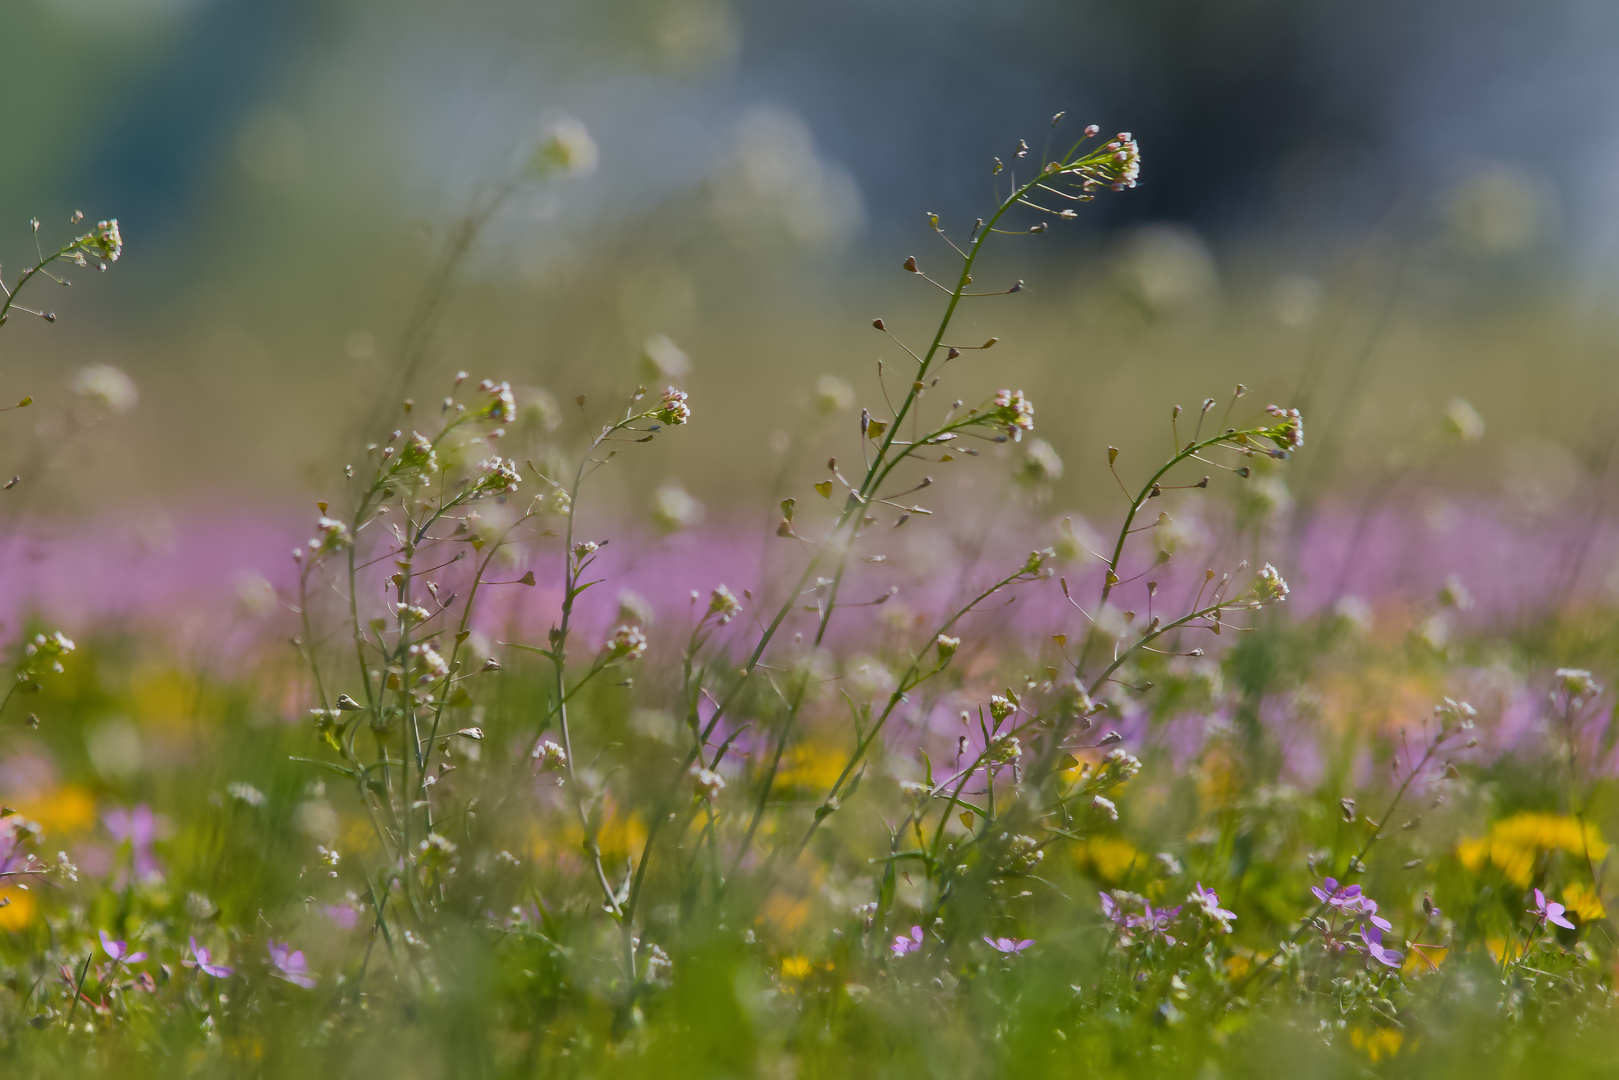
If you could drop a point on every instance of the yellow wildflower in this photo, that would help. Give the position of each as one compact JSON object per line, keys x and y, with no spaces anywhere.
{"x":1499,"y":946}
{"x":1377,"y":1043}
{"x":1421,"y":959}
{"x":63,"y":811}
{"x":19,"y":912}
{"x":1583,"y":901}
{"x":1109,"y":857}
{"x":796,"y":967}
{"x":814,"y":766}
{"x":1515,"y":843}
{"x":784,"y":913}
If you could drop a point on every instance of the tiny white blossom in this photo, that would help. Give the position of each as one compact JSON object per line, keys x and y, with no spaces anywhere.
{"x":627,"y":643}
{"x":1269,"y":585}
{"x":706,"y":783}
{"x":673,"y":409}
{"x":724,"y":605}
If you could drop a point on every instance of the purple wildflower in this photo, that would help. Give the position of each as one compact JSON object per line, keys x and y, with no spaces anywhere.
{"x":1351,"y":901}
{"x":1548,"y":911}
{"x":1208,"y":902}
{"x":1373,"y":937}
{"x":908,"y":943}
{"x":290,"y":965}
{"x":1111,"y":909}
{"x":119,"y":951}
{"x":1156,"y":921}
{"x":204,"y":962}
{"x":1368,"y":909}
{"x":137,"y":826}
{"x":1330,"y":892}
{"x":341,"y":916}
{"x":1010,"y":946}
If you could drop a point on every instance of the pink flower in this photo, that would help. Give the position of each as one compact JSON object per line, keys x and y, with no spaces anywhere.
{"x":341,"y":915}
{"x":204,"y":962}
{"x":910,"y":943}
{"x":1549,"y":912}
{"x":1008,"y":945}
{"x":290,"y":965}
{"x":137,"y":827}
{"x":1111,"y":909}
{"x":1156,"y":922}
{"x":1351,"y":901}
{"x":1208,"y":902}
{"x":119,"y":951}
{"x":1329,"y":892}
{"x":1373,"y":937}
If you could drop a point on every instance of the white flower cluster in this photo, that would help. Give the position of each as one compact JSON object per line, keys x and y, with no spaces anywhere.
{"x":1026,"y":852}
{"x":673,"y":410}
{"x":1016,"y":411}
{"x":427,"y":660}
{"x":412,"y":613}
{"x":724,"y":605}
{"x":500,"y":477}
{"x":1269,"y":586}
{"x":566,"y":149}
{"x":1457,"y":714}
{"x":502,"y":407}
{"x":627,"y":643}
{"x":331,"y":535}
{"x":1121,"y":765}
{"x":706,"y":783}
{"x":44,"y":654}
{"x":106,"y":390}
{"x":418,"y":455}
{"x":1289,"y":434}
{"x":1577,"y":683}
{"x":552,"y":758}
{"x":1126,"y":152}
{"x":1005,"y":750}
{"x":104,"y":241}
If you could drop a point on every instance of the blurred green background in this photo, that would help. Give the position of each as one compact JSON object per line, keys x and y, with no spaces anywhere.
{"x":1362,"y":209}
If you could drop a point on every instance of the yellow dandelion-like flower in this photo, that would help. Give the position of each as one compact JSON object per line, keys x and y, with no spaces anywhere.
{"x":1500,"y":947}
{"x":1515,"y":843}
{"x":784,"y":914}
{"x":796,"y":967}
{"x":1583,"y":901}
{"x":1421,"y":959}
{"x":19,"y":912}
{"x":1109,"y":857}
{"x":1377,"y":1043}
{"x":813,"y":766}
{"x":62,"y":811}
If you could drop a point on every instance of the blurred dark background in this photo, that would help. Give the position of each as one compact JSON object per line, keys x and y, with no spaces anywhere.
{"x":1372,"y":209}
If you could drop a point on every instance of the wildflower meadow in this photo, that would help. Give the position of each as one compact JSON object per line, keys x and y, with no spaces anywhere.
{"x":901,"y":770}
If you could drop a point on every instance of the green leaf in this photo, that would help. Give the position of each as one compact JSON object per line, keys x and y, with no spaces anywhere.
{"x":341,"y":770}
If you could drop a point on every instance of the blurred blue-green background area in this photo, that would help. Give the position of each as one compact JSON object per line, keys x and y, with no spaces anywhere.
{"x":1365,"y":209}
